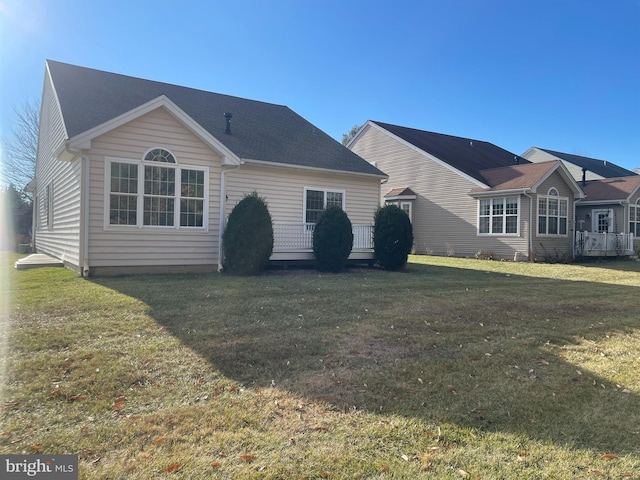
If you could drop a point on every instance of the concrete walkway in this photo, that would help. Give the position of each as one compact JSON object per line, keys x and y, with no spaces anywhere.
{"x":37,"y":260}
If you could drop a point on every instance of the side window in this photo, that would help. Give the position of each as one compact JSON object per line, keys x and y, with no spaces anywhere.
{"x":317,"y":200}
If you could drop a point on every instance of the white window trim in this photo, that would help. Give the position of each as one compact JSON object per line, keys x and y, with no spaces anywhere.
{"x":594,"y":219}
{"x":400,"y":204}
{"x":633,"y":207}
{"x":554,"y":197}
{"x":504,"y":216}
{"x":321,"y":189}
{"x":140,"y":195}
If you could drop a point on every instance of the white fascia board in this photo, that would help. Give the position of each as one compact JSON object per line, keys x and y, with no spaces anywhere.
{"x":429,"y":156}
{"x":83,"y":141}
{"x":400,"y":197}
{"x":529,"y":151}
{"x":249,"y":161}
{"x":500,"y":193}
{"x":359,"y":132}
{"x":585,"y":202}
{"x":55,"y":97}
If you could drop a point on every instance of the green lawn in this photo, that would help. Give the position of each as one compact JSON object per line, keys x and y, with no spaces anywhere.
{"x":452,"y":368}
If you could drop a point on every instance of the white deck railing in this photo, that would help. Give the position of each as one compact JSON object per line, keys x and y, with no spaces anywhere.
{"x":299,"y":237}
{"x":594,"y":244}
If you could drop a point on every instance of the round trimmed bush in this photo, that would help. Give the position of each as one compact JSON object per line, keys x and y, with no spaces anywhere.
{"x":332,"y":240}
{"x":392,"y":237}
{"x":247,"y":242}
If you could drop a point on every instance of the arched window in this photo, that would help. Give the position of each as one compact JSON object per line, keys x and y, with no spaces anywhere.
{"x":157,"y":192}
{"x":159,"y":155}
{"x":553,"y":214}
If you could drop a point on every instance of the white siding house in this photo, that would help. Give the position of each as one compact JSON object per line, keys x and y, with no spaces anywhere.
{"x":139,"y":176}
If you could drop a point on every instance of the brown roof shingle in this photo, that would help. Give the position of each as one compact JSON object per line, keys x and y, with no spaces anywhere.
{"x":614,"y":189}
{"x":515,"y":177}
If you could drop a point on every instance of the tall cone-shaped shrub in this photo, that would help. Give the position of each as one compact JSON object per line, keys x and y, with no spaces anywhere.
{"x":332,"y":240}
{"x":392,"y":237}
{"x":247,"y":242}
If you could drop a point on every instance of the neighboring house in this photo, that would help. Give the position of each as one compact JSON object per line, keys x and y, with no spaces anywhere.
{"x":134,"y":175}
{"x":582,"y":168}
{"x":466,"y":196}
{"x":608,"y":215}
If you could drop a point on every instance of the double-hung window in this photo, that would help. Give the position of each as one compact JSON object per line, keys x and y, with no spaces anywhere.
{"x":156,"y":191}
{"x":317,"y":200}
{"x":553,"y":214}
{"x":499,"y":216}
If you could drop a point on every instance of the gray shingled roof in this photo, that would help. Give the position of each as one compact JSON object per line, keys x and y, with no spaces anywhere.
{"x":259,"y":130}
{"x":603,"y":168}
{"x":464,"y":154}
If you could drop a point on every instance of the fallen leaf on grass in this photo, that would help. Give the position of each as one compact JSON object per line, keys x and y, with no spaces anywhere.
{"x":159,"y":439}
{"x":324,"y":474}
{"x":246,"y":458}
{"x":464,"y":473}
{"x":35,"y":448}
{"x":216,"y":465}
{"x":131,"y":468}
{"x":609,"y":456}
{"x":385,"y":469}
{"x":321,"y":429}
{"x":596,"y":472}
{"x":174,"y":467}
{"x":76,"y":398}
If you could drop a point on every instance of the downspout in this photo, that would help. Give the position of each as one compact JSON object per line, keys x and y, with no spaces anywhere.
{"x":531,"y":229}
{"x":86,"y":173}
{"x":223,"y":201}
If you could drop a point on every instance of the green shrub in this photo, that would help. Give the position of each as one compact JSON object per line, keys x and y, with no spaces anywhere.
{"x":332,"y":240}
{"x":248,"y":240}
{"x":392,"y":237}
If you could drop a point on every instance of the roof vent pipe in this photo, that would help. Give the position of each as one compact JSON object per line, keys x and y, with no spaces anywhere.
{"x":584,"y":177}
{"x":228,"y":116}
{"x":516,"y":159}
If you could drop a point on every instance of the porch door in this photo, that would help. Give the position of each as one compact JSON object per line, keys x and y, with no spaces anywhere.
{"x":601,"y":221}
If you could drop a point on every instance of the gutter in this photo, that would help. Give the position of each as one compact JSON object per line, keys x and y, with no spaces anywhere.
{"x":223,"y":201}
{"x":531,"y":229}
{"x":85,"y":200}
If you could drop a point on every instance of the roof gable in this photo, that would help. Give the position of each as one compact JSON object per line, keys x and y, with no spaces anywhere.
{"x":463,"y":154}
{"x":260,"y":131}
{"x":603,"y":168}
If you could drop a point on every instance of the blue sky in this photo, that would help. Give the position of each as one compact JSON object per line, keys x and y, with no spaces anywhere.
{"x":557,"y":74}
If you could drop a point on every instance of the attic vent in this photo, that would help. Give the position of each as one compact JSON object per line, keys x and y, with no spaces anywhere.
{"x":471,"y":143}
{"x":228,"y":116}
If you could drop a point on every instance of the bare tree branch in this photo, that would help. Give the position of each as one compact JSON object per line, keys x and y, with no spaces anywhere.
{"x":21,"y":147}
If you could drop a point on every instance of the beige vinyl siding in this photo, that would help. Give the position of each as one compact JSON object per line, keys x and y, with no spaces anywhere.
{"x":61,"y":236}
{"x":557,"y":247}
{"x":113,"y":246}
{"x":444,"y":215}
{"x":283,"y":189}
